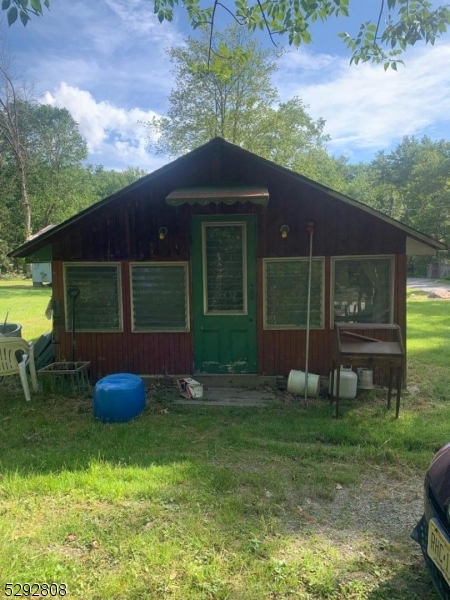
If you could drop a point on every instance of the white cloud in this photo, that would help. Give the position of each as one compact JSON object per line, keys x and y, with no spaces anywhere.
{"x":366,"y":107}
{"x":110,"y":54}
{"x":118,"y":52}
{"x":301,"y":59}
{"x":138,"y":18}
{"x":116,"y":136}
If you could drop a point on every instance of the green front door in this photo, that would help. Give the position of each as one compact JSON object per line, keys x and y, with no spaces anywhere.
{"x":224,"y":294}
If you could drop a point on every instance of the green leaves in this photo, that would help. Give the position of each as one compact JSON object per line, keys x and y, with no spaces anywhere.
{"x":12,"y":15}
{"x":36,"y":5}
{"x":228,"y":92}
{"x":24,"y":17}
{"x":23,"y":9}
{"x":394,"y":25}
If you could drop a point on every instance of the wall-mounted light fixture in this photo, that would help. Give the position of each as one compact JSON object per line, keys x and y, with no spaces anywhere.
{"x":162,"y":232}
{"x":284,"y":230}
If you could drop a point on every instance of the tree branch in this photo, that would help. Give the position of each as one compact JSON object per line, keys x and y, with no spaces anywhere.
{"x":379,"y":21}
{"x":211,"y":32}
{"x":231,"y":13}
{"x":267,"y":24}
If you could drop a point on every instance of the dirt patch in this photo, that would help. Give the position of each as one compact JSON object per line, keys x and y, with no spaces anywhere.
{"x":442,"y":294}
{"x":379,"y":507}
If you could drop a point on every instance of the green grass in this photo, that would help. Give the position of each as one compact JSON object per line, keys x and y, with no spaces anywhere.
{"x":26,"y":305}
{"x":429,"y":344}
{"x":210,"y":503}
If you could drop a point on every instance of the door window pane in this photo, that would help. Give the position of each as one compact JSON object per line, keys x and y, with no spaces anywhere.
{"x":224,"y":269}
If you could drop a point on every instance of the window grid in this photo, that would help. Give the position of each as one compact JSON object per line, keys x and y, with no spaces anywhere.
{"x":98,"y":307}
{"x":159,"y":297}
{"x":220,"y":298}
{"x":285,"y":282}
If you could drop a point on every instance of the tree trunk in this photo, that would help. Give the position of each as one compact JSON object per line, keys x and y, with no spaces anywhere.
{"x":25,"y":201}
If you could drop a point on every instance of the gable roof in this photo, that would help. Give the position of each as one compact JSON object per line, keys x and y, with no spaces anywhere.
{"x":44,"y":237}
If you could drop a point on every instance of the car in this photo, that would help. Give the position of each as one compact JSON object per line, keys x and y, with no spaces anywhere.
{"x":432,"y":532}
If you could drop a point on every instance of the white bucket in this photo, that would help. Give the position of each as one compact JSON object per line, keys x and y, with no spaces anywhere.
{"x":296,"y":383}
{"x":365,"y":379}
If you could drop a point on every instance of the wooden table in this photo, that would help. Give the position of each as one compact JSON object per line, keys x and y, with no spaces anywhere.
{"x":354,"y":346}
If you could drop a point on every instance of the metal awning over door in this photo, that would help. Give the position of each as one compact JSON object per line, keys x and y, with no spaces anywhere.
{"x":216,"y":195}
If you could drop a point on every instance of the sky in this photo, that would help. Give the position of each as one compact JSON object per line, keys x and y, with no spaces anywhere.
{"x":105,"y":61}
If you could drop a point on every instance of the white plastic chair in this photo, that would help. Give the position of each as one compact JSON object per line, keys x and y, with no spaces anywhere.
{"x":15,"y":355}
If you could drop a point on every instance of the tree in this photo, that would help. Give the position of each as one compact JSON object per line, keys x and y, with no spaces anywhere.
{"x":395,"y":24}
{"x":57,"y":152}
{"x":11,"y":219}
{"x":39,"y":148}
{"x":415,"y":181}
{"x":104,"y":183}
{"x":15,"y":93}
{"x":233,"y":98}
{"x":227,"y":94}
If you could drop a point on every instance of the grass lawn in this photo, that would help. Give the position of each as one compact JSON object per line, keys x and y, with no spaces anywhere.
{"x":222,"y":503}
{"x":25,"y":305}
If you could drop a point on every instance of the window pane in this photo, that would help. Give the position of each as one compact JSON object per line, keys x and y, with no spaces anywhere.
{"x":287,"y":293}
{"x":362,"y":290}
{"x":97,"y":306}
{"x":224,"y":269}
{"x":159,"y":297}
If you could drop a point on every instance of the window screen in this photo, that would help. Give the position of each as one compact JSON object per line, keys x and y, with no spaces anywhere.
{"x":363,"y":290}
{"x":159,"y":293}
{"x":97,"y":305}
{"x":224,"y":269}
{"x":286,"y":293}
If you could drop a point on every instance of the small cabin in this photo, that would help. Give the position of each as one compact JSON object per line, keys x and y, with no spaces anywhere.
{"x":204,"y":266}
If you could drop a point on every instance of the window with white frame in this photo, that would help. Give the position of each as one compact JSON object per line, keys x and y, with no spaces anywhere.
{"x":93,"y":296}
{"x":159,"y":294}
{"x":286,"y":293}
{"x":362,"y":289}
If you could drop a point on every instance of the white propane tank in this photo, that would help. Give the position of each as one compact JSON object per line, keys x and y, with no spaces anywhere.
{"x":348,"y":383}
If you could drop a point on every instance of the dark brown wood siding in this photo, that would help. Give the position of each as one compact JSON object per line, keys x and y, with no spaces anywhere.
{"x":128,"y":231}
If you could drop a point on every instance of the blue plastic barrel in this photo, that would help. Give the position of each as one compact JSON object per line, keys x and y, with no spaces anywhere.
{"x":119,"y":398}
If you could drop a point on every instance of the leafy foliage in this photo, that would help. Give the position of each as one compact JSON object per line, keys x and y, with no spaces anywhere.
{"x":228,"y":92}
{"x":58,"y":183}
{"x":415,"y":179}
{"x":411,"y":184}
{"x":395,"y":25}
{"x":22,"y":9}
{"x":224,"y":92}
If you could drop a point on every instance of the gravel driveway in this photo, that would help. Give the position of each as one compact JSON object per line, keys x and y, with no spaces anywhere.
{"x":426,"y":285}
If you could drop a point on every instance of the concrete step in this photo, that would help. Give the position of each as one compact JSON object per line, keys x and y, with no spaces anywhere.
{"x":236,"y":381}
{"x":230,"y":396}
{"x":217,"y":381}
